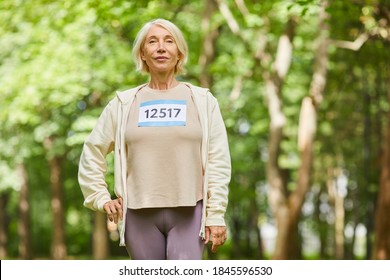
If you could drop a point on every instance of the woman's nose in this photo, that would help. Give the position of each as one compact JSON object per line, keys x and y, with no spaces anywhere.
{"x":161,"y":47}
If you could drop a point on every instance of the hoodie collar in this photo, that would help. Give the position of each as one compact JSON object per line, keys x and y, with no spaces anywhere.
{"x":125,"y":96}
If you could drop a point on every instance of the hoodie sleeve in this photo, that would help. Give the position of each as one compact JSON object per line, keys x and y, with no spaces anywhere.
{"x":219,"y":169}
{"x":93,"y":165}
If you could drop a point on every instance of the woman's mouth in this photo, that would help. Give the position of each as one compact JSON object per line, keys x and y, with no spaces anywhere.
{"x":161,"y":58}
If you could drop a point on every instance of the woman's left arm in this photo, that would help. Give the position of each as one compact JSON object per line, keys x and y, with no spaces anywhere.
{"x":219,"y":174}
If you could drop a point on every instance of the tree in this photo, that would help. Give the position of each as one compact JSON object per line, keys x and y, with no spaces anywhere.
{"x":305,"y":102}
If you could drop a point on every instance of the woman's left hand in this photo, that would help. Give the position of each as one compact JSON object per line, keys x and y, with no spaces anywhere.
{"x":218,"y":236}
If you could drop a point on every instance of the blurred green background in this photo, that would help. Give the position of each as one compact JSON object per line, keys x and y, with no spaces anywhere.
{"x":304,"y":88}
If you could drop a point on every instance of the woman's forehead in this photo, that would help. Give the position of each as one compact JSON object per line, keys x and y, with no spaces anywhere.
{"x":159,"y":31}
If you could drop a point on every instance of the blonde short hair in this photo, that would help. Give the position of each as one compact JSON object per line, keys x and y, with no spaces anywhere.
{"x":141,"y":66}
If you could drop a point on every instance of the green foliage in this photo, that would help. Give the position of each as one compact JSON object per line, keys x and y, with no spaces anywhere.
{"x":62,"y":61}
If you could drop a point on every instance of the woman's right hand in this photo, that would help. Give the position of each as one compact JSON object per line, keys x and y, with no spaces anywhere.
{"x":113,"y":209}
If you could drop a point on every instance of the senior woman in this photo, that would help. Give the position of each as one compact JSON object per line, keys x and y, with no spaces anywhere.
{"x":171,"y":156}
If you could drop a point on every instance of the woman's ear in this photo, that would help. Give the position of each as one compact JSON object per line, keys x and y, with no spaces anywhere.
{"x":142,"y":55}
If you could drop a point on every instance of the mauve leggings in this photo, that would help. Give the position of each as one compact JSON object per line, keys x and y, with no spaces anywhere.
{"x":164,"y":233}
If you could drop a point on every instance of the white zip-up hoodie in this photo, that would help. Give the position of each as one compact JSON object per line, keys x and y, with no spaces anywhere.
{"x":109,"y":135}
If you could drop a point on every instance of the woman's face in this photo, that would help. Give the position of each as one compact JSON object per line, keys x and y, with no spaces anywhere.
{"x":160,"y":51}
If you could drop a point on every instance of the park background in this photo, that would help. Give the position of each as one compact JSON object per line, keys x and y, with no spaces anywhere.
{"x":304,"y":88}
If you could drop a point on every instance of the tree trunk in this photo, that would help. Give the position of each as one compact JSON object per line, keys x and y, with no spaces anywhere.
{"x":210,"y":35}
{"x":4,"y":197}
{"x":382,"y":219}
{"x":58,"y":242}
{"x":58,"y":247}
{"x":24,"y":224}
{"x":277,"y":192}
{"x":254,"y":225}
{"x":323,"y":229}
{"x":235,"y":229}
{"x":288,"y":208}
{"x":338,"y":204}
{"x":100,"y":246}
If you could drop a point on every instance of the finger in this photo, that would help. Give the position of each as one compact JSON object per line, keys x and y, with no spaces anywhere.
{"x":120,"y":208}
{"x":207,"y":236}
{"x":116,"y":218}
{"x":107,"y":209}
{"x":214,"y":248}
{"x":116,"y":209}
{"x":115,"y":212}
{"x":217,"y":240}
{"x":111,"y":211}
{"x":110,"y":216}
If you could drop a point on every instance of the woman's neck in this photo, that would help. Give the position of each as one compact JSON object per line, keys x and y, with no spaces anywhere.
{"x":162,"y":82}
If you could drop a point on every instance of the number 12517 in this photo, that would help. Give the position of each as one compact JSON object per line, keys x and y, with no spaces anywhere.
{"x":155,"y":113}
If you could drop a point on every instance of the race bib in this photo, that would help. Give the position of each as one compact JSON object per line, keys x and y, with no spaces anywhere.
{"x":163,"y":113}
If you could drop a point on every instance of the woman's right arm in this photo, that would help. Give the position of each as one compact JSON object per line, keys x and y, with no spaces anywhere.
{"x":93,"y":165}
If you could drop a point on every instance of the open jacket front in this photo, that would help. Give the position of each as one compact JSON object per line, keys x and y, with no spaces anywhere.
{"x":109,"y":135}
